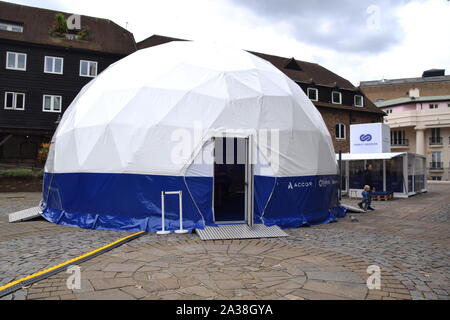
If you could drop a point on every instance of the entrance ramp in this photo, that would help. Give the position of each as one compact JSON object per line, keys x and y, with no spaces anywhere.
{"x":25,"y":215}
{"x":240,"y":231}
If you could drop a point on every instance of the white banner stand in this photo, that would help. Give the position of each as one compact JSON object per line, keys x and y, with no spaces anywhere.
{"x":180,"y":198}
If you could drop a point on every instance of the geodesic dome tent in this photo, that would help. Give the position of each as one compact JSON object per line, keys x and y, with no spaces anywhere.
{"x":118,"y":145}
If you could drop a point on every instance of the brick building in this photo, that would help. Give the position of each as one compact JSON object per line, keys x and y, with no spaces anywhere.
{"x":433,"y":82}
{"x":43,"y":66}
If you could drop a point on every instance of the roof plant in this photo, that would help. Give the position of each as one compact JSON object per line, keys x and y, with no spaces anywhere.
{"x":59,"y":26}
{"x":59,"y":29}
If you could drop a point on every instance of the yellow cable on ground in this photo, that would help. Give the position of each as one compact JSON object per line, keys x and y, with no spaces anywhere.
{"x":37,"y":274}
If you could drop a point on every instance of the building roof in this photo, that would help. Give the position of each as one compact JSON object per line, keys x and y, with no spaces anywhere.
{"x":298,"y":70}
{"x":308,"y":72}
{"x":390,"y":82}
{"x":369,"y":156}
{"x":104,"y":35}
{"x":406,"y":100}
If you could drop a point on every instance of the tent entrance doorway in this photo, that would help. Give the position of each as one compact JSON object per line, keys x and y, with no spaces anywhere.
{"x":233,"y":181}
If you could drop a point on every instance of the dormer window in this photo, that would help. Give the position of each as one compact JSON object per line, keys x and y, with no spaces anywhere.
{"x":7,"y":26}
{"x":292,"y":64}
{"x":359,"y":101}
{"x":336,"y":97}
{"x":313,"y":94}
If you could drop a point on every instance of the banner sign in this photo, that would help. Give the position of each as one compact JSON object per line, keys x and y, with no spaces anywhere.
{"x":370,"y":138}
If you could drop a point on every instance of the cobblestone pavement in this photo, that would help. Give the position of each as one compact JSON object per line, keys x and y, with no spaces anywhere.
{"x":408,"y":239}
{"x":28,"y":247}
{"x":232,"y":269}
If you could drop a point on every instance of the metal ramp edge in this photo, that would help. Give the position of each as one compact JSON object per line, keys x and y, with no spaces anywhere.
{"x":240,"y":231}
{"x":25,"y":215}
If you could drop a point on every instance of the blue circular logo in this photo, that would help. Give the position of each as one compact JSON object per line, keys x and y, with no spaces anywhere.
{"x":365,"y":137}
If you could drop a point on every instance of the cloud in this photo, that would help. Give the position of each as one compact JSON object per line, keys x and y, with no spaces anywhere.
{"x":412,"y":36}
{"x":345,"y":25}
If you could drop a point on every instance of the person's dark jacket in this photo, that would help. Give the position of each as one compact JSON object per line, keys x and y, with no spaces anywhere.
{"x":367,"y":179}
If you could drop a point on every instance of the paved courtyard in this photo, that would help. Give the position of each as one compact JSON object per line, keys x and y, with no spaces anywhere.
{"x":408,"y":239}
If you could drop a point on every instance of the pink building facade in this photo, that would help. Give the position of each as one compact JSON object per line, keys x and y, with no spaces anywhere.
{"x":422,"y":125}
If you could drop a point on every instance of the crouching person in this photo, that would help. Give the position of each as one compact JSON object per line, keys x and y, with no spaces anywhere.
{"x":366,"y":199}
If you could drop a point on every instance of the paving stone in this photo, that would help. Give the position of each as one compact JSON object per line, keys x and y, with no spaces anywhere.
{"x":334,"y":276}
{"x":314,"y":295}
{"x":122,"y":267}
{"x":293,"y":297}
{"x":110,"y":294}
{"x":199,"y":291}
{"x":135,"y":292}
{"x":337,"y":288}
{"x":229,"y":284}
{"x":33,"y":296}
{"x":169,"y":283}
{"x":102,"y":284}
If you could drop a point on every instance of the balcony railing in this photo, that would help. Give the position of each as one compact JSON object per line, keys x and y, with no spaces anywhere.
{"x":436,"y":166}
{"x":436,"y":141}
{"x":399,"y":142}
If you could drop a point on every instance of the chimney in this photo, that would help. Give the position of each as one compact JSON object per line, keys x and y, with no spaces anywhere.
{"x":433,"y":73}
{"x":414,"y":93}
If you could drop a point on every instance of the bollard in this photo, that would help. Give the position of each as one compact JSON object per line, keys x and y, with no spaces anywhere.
{"x":181,"y":230}
{"x":163,"y":228}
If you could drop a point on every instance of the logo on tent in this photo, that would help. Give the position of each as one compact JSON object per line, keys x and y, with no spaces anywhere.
{"x":295,"y":185}
{"x":365,"y":137}
{"x":323,"y":183}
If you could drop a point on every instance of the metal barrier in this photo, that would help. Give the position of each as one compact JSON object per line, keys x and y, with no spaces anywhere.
{"x":163,"y":212}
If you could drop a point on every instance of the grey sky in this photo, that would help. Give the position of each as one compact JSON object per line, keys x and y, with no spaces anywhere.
{"x":358,"y":39}
{"x":339,"y":25}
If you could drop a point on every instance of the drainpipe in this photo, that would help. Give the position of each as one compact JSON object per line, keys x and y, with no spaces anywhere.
{"x":340,"y":175}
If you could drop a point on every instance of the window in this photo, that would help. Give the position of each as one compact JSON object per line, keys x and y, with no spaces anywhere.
{"x":88,"y":68}
{"x":16,"y":61}
{"x":435,"y":138}
{"x":435,"y":132}
{"x":54,"y":65}
{"x":336,"y":97}
{"x":398,"y":138}
{"x":436,"y":178}
{"x":313,"y":94}
{"x":340,"y":131}
{"x":433,"y":106}
{"x":10,"y":27}
{"x":51,"y":103}
{"x":359,"y":101}
{"x":14,"y":101}
{"x":436,"y":158}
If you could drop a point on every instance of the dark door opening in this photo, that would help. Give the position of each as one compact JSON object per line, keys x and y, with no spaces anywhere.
{"x":229,"y":179}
